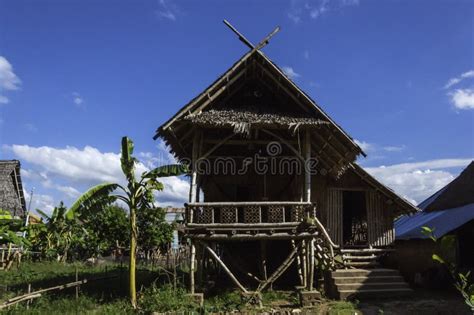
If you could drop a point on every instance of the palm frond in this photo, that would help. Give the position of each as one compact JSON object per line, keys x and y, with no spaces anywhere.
{"x":167,"y":171}
{"x":92,"y":197}
{"x":43,"y":214}
{"x":127,"y":161}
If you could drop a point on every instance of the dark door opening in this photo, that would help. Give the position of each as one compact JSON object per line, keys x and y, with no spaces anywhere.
{"x":354,"y":218}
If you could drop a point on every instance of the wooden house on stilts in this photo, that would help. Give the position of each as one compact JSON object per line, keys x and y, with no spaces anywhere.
{"x":276,"y":195}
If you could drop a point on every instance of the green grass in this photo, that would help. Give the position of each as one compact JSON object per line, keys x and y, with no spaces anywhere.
{"x":107,"y":296}
{"x":343,"y":308}
{"x":110,"y":296}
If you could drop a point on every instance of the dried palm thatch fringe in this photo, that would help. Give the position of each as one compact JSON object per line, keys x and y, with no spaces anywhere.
{"x":243,"y":120}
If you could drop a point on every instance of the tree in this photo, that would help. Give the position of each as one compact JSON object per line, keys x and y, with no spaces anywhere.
{"x":461,"y":280}
{"x":154,"y":233}
{"x":10,"y":235}
{"x":137,"y":195}
{"x":106,"y":228}
{"x":58,"y":234}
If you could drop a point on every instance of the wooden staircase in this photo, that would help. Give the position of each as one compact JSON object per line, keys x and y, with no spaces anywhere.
{"x":361,"y":276}
{"x":362,"y":257}
{"x":366,"y":283}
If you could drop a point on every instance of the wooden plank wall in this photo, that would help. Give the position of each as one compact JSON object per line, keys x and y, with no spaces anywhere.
{"x":334,"y":215}
{"x":379,"y":220}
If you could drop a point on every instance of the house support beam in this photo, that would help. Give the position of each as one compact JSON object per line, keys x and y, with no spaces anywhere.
{"x":280,"y":270}
{"x":307,"y":165}
{"x":229,"y":273}
{"x":192,"y":199}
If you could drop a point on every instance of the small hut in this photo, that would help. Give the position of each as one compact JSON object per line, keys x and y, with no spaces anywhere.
{"x":450,"y":211}
{"x":12,"y":198}
{"x":275,"y":192}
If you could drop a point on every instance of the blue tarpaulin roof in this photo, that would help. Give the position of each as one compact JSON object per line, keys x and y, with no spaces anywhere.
{"x":443,"y":222}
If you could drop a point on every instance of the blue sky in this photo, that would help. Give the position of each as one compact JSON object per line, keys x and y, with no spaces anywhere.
{"x":75,"y":76}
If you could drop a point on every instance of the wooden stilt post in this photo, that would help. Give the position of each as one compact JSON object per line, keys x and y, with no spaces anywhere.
{"x":192,"y":199}
{"x":191,"y":272}
{"x":298,"y":264}
{"x":310,"y":255}
{"x":304,"y":267}
{"x":280,"y":270}
{"x":263,"y":259}
{"x":199,"y":262}
{"x":307,"y":173}
{"x":229,"y":273}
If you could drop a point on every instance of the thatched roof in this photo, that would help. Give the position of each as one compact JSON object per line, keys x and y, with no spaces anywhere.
{"x":11,"y":188}
{"x":294,"y":109}
{"x":242,"y":120}
{"x":458,"y":193}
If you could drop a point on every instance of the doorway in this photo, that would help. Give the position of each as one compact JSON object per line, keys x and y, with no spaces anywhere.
{"x":354,"y":218}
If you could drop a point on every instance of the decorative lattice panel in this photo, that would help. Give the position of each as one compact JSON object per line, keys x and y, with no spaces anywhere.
{"x":204,"y":215}
{"x":276,"y":214}
{"x":297,"y":213}
{"x":228,"y":215}
{"x":252,"y":214}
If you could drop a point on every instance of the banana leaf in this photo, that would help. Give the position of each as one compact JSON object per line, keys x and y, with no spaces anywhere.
{"x":91,"y":197}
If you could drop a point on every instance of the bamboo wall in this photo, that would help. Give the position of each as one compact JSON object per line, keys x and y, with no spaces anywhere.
{"x":328,"y":194}
{"x":380,"y":219}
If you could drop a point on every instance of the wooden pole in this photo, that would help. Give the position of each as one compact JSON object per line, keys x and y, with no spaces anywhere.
{"x":307,"y":182}
{"x":310,"y":264}
{"x":191,"y":273}
{"x":229,"y":273}
{"x":303,"y":258}
{"x":280,"y":270}
{"x":29,"y":291}
{"x":298,"y":263}
{"x":263,"y":258}
{"x":77,"y":287}
{"x":192,"y":193}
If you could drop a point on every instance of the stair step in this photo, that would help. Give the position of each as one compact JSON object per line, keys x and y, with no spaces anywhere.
{"x":371,"y":286}
{"x":361,"y":263}
{"x":366,"y":250}
{"x":365,"y":279}
{"x":350,"y":257}
{"x":374,"y":293}
{"x":364,"y":272}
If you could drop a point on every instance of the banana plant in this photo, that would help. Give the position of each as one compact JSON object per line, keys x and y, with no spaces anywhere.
{"x":137,"y":195}
{"x":60,"y":231}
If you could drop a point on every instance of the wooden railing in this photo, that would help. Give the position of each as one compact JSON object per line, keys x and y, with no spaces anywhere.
{"x":209,"y":213}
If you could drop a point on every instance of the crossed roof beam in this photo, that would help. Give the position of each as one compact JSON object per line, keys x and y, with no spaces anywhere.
{"x":248,"y":43}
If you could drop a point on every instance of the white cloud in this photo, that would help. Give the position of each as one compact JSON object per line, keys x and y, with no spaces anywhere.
{"x":45,"y":203}
{"x":8,"y":79}
{"x":167,"y":10}
{"x":374,"y":148}
{"x":71,"y":192}
{"x":394,"y":148}
{"x":321,"y":8}
{"x":89,"y":166}
{"x":463,"y":98}
{"x":417,"y":181}
{"x":316,"y":8}
{"x":456,"y":80}
{"x":4,"y":100}
{"x":365,"y":146}
{"x":77,"y":99}
{"x":294,"y":16}
{"x":290,"y":73}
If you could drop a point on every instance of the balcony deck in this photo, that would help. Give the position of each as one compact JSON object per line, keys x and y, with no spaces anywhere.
{"x":249,"y":220}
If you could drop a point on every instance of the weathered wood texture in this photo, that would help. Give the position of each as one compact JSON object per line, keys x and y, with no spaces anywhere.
{"x":334,"y":215}
{"x":380,"y":221}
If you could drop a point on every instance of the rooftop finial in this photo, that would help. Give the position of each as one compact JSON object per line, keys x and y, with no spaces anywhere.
{"x":243,"y":39}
